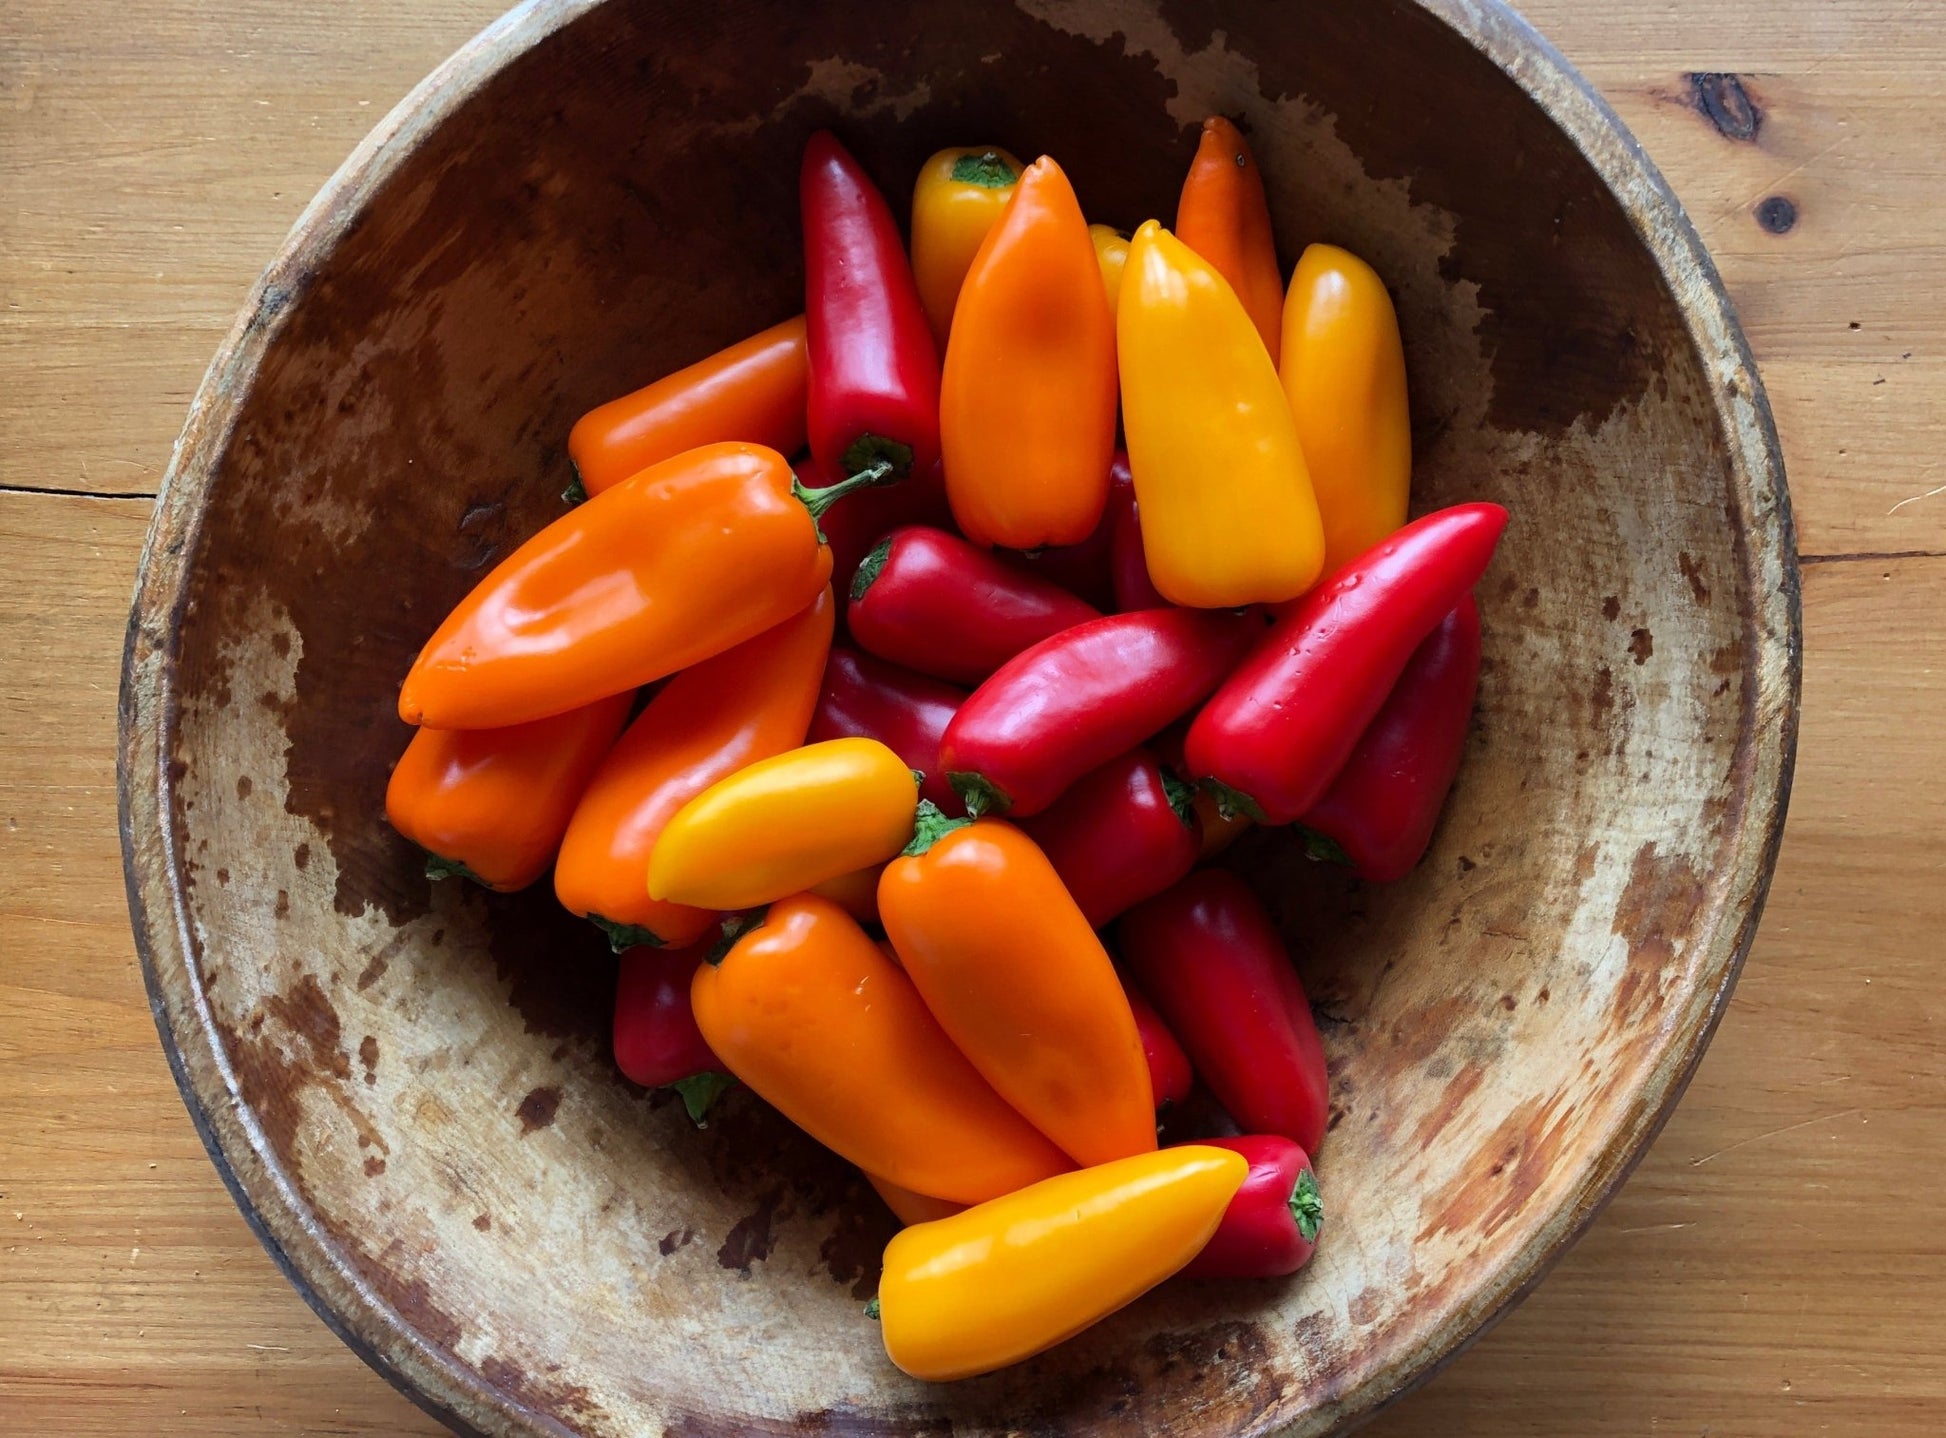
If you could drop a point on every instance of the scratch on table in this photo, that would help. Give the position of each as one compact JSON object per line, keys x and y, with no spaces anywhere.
{"x":1773,"y":1133}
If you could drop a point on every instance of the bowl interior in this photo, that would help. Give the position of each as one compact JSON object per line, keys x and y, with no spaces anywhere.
{"x":426,"y":1122}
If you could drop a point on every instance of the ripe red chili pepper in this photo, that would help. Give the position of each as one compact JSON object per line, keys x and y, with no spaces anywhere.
{"x":1206,"y":954}
{"x":866,"y":698}
{"x":1073,"y":702}
{"x":1128,"y":565}
{"x":1282,"y":726}
{"x":874,"y":391}
{"x":1272,"y":1225}
{"x":932,"y":602}
{"x":1085,"y":570}
{"x":1170,"y":1075}
{"x":1123,"y":833}
{"x":857,"y":521}
{"x":1384,"y":804}
{"x":657,"y":1043}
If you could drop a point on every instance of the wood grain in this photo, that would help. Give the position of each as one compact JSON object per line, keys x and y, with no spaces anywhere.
{"x":1776,"y":1262}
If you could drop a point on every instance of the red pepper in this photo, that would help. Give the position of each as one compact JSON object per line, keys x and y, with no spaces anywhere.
{"x":932,"y":602}
{"x":874,"y":390}
{"x":1170,"y":1076}
{"x":1381,"y":809}
{"x":1208,"y":957}
{"x":1272,"y":1224}
{"x":1282,"y":726}
{"x":657,"y":1043}
{"x":1127,"y":564}
{"x":1085,"y":570}
{"x":866,"y":698}
{"x":856,"y":522}
{"x":1073,"y":702}
{"x":1122,"y":834}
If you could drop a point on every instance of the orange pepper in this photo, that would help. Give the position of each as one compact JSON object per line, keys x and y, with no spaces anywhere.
{"x":1224,"y":217}
{"x":746,"y":704}
{"x":910,"y":1207}
{"x":856,"y":893}
{"x":754,"y":390}
{"x":1020,"y":982}
{"x":1220,"y":829}
{"x":1111,"y":254}
{"x":682,"y":562}
{"x":491,"y":804}
{"x":1027,"y":398}
{"x":958,"y":197}
{"x":1344,"y":373}
{"x":822,"y":1026}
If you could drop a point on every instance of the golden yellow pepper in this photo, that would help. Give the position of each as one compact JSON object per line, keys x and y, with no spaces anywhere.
{"x":959,"y":196}
{"x":1344,"y":372}
{"x":1228,"y":517}
{"x":1016,"y":1275}
{"x":1111,"y":253}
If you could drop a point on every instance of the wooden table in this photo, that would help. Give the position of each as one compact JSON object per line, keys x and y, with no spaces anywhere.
{"x":1777,"y":1265}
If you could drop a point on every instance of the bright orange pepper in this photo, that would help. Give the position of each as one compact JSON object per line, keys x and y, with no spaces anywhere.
{"x":1344,"y":373}
{"x":807,"y":1012}
{"x":1027,"y":398}
{"x":958,"y":197}
{"x":1111,"y":254}
{"x":492,"y":803}
{"x":1013,"y":1277}
{"x":753,"y":391}
{"x":1224,"y":217}
{"x":1017,"y":978}
{"x":746,"y":704}
{"x":910,"y":1207}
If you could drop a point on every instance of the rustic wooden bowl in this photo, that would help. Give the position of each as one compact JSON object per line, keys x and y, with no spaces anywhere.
{"x":407,"y":1085}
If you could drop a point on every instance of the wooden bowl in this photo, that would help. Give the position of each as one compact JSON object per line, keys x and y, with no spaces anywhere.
{"x":407,"y":1085}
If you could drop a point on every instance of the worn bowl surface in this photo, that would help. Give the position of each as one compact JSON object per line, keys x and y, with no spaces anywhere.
{"x":407,"y":1084}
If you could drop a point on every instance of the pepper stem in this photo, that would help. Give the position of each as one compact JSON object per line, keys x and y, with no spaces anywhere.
{"x":878,"y":472}
{"x":623,"y":937}
{"x":576,"y":492}
{"x":929,"y":826}
{"x":980,"y":794}
{"x":1307,"y":1206}
{"x":985,"y":169}
{"x":1322,"y":847}
{"x":735,"y":926}
{"x":439,"y":867}
{"x":1182,"y":797}
{"x":1232,"y":802}
{"x":869,"y":567}
{"x":699,"y":1093}
{"x":872,"y":1310}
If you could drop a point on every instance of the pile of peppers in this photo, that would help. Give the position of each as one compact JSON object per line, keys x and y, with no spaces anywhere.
{"x":898,"y":679}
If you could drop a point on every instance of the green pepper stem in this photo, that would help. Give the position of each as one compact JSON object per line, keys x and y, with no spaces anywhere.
{"x":980,"y":794}
{"x":735,"y":926}
{"x":985,"y":169}
{"x":623,"y":937}
{"x":1232,"y":802}
{"x":929,"y":826}
{"x":1307,"y":1206}
{"x":1181,"y":795}
{"x":699,"y":1093}
{"x":869,"y":567}
{"x":576,"y":492}
{"x":439,"y":867}
{"x":1322,"y":847}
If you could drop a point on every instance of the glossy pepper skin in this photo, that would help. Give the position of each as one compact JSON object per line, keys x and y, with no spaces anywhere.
{"x":493,"y":803}
{"x":1272,"y":1225}
{"x":1011,"y":1278}
{"x":856,"y":892}
{"x":685,"y":560}
{"x":785,"y":823}
{"x":1344,"y":373}
{"x":1027,"y":401}
{"x":1018,"y":980}
{"x":1121,"y":834}
{"x":959,"y":196}
{"x":1128,"y":560}
{"x":855,"y":524}
{"x":1224,"y":217}
{"x":807,"y":1011}
{"x":866,"y":698}
{"x":909,"y":1207}
{"x":657,"y":1043}
{"x":873,"y":399}
{"x":936,"y":604}
{"x":746,"y":704}
{"x":1228,"y":516}
{"x":1111,"y":257}
{"x":1284,"y":723}
{"x":1383,"y":806}
{"x":1170,"y":1076}
{"x":752,"y":391}
{"x":1073,"y":702}
{"x":1208,"y":957}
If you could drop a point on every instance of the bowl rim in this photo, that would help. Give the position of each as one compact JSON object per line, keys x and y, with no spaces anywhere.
{"x":148,"y":717}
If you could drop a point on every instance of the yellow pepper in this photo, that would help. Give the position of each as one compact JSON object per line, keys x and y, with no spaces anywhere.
{"x":1228,"y":517}
{"x":1111,"y":253}
{"x":785,"y":824}
{"x":1016,"y":1275}
{"x":958,"y":198}
{"x":1344,"y":372}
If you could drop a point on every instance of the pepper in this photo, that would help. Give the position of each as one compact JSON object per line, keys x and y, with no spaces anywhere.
{"x":785,"y":823}
{"x":855,"y":524}
{"x":959,"y":196}
{"x":705,"y":724}
{"x":1011,"y":1278}
{"x":934,"y":603}
{"x":1170,"y":1076}
{"x":856,"y":892}
{"x":1344,"y":374}
{"x":873,"y":403}
{"x":1128,"y":560}
{"x":657,"y":1043}
{"x":685,"y":560}
{"x":1018,"y":980}
{"x":1222,"y":823}
{"x":752,"y":391}
{"x":825,"y":1028}
{"x":1228,"y":517}
{"x":1123,"y":833}
{"x":1208,"y":957}
{"x":1075,"y":701}
{"x":1382,"y":808}
{"x":1027,"y":399}
{"x":909,"y":1207}
{"x":866,"y":698}
{"x":1086,"y":569}
{"x":1272,"y":1225}
{"x":1224,"y":217}
{"x":492,"y":804}
{"x":1282,"y":726}
{"x":1111,"y":257}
